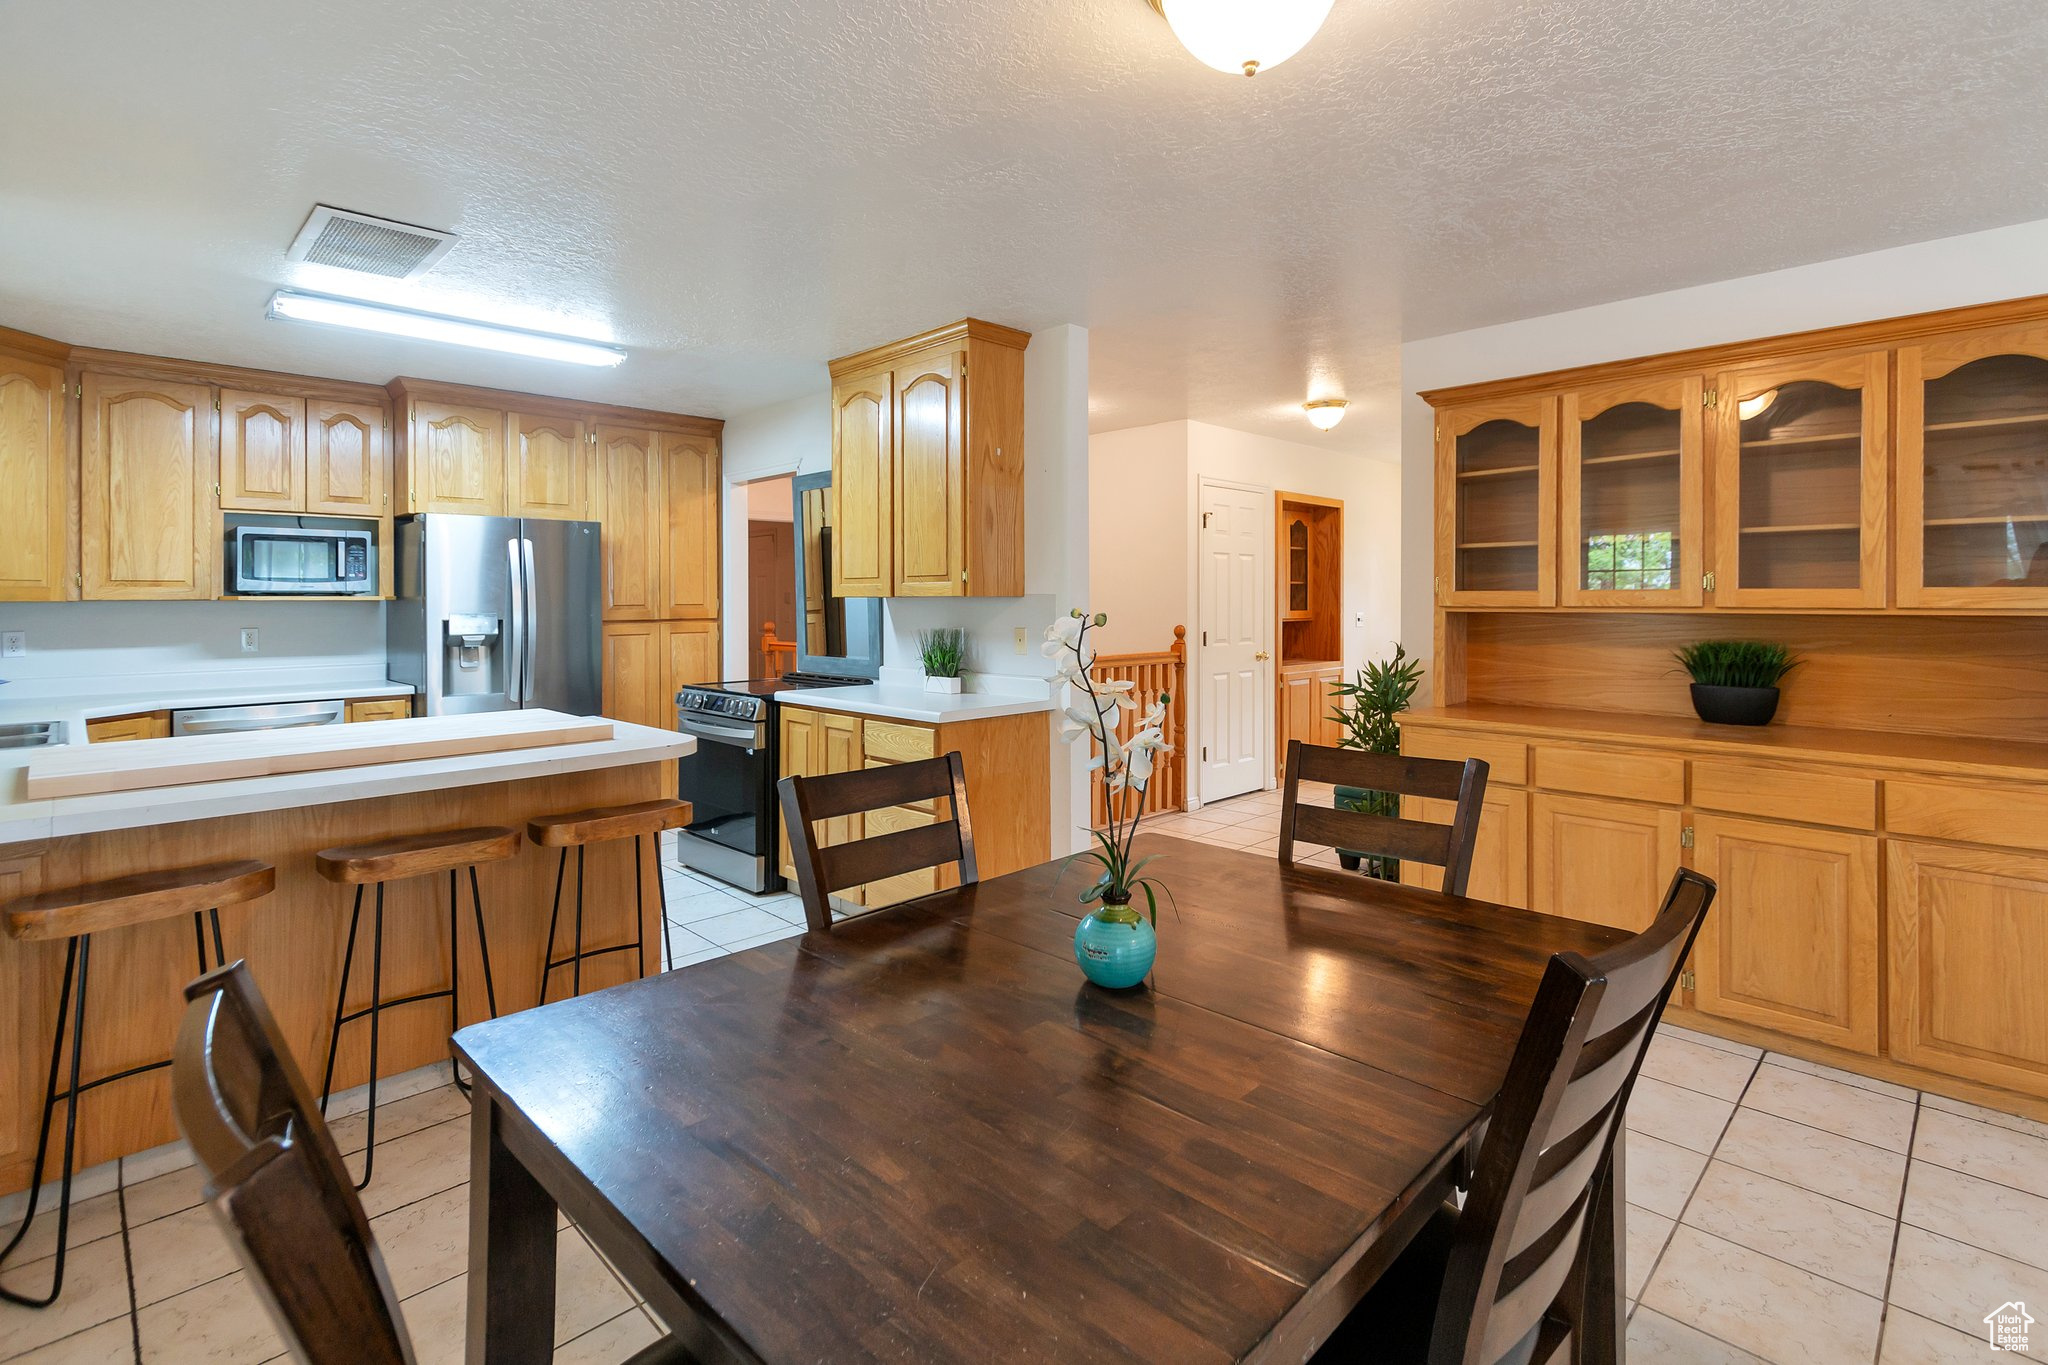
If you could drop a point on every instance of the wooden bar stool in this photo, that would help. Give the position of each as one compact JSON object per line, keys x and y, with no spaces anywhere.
{"x":581,"y":828}
{"x":390,"y":860}
{"x":75,"y":914}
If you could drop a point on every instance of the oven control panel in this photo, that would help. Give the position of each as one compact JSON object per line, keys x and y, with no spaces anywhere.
{"x":729,"y":704}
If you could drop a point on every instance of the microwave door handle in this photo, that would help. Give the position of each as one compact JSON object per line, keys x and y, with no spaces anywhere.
{"x":532,"y":630}
{"x":515,"y":624}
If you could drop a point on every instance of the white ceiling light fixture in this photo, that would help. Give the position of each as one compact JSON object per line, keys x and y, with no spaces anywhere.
{"x":1325,"y":413}
{"x":1243,"y":35}
{"x":295,"y":306}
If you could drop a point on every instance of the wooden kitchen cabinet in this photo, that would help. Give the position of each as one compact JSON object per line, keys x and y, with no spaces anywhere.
{"x":1307,"y":710}
{"x":1631,"y":464}
{"x":1800,"y":477}
{"x":262,"y":452}
{"x":1972,"y":470}
{"x":118,"y":729}
{"x":1791,"y":941}
{"x":1496,"y":498}
{"x":549,"y":471}
{"x":928,"y":465}
{"x":1966,"y":932}
{"x":348,"y":459}
{"x":453,"y":459}
{"x":690,"y":528}
{"x":1500,"y":854}
{"x":692,"y":661}
{"x":1605,"y":862}
{"x":629,"y":504}
{"x":379,"y":708}
{"x":863,"y":516}
{"x":148,"y":522}
{"x":635,"y":668}
{"x":815,"y":743}
{"x":35,"y":481}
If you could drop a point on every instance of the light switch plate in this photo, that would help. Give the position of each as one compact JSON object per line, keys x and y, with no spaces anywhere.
{"x":13,"y":644}
{"x":249,"y":636}
{"x":1022,"y":648}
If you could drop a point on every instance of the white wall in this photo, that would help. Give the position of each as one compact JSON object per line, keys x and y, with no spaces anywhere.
{"x":1146,"y":481}
{"x":787,"y":438}
{"x":122,"y":646}
{"x":770,"y":500}
{"x":1979,"y":267}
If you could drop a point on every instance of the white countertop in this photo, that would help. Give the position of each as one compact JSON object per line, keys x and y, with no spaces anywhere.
{"x":892,"y":701}
{"x":172,"y":693}
{"x":23,"y":821}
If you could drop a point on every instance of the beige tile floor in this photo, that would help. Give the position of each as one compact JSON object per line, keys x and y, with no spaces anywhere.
{"x":1778,"y":1211}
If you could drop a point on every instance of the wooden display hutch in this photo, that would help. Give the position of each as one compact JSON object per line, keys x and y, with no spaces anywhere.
{"x":1309,"y":558}
{"x":1875,"y":497}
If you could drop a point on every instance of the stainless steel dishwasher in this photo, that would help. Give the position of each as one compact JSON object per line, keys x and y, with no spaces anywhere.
{"x":229,"y":720}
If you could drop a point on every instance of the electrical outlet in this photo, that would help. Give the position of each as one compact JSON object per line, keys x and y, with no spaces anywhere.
{"x":13,"y":644}
{"x":248,"y":639}
{"x":1022,"y":648}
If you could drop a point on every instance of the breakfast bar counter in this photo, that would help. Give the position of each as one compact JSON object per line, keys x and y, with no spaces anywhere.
{"x":294,"y":938}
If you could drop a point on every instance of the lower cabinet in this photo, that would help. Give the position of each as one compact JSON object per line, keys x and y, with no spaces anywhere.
{"x":1604,"y":862}
{"x":815,"y":743}
{"x":1306,"y":706}
{"x":1967,"y":933}
{"x":379,"y":708}
{"x":1500,"y":856}
{"x":1791,"y":940}
{"x":110,"y":729}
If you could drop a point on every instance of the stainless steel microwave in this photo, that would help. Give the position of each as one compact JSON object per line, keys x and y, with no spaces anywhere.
{"x":293,"y":561}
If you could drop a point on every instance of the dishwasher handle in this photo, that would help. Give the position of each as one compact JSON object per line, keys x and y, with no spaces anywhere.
{"x":228,"y":720}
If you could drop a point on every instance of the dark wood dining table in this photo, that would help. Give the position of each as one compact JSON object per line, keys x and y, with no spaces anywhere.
{"x":923,"y":1137}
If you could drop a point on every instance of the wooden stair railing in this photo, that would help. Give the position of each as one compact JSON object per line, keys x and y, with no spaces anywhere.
{"x":777,"y":656}
{"x":1151,"y":675}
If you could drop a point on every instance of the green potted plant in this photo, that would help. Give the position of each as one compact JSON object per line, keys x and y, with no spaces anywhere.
{"x":944,"y":652}
{"x":1382,"y":690}
{"x":1735,"y":682}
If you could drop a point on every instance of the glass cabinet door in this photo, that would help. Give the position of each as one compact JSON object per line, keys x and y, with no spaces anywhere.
{"x":1799,"y":483}
{"x":1295,"y":548}
{"x":1496,"y":469}
{"x":1973,"y":471}
{"x":1631,"y":462}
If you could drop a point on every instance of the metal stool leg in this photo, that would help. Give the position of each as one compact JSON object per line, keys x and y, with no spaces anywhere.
{"x":640,"y":908}
{"x":454,"y":981}
{"x":376,"y":1010}
{"x":668,"y":947}
{"x":348,"y":961}
{"x":483,"y":943}
{"x":74,"y":973}
{"x":547,"y":959}
{"x":576,"y":972}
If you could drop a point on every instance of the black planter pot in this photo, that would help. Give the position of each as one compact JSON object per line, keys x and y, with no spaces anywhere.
{"x":1735,"y":705}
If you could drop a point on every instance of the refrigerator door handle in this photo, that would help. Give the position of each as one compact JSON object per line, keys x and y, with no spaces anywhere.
{"x":531,"y":633}
{"x":515,"y":647}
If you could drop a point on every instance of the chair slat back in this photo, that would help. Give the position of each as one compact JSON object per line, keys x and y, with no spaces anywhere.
{"x":276,"y":1182}
{"x":1521,"y":1243}
{"x":822,"y":870}
{"x":1385,"y":836}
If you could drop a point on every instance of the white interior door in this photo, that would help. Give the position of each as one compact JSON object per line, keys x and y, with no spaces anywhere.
{"x":1232,"y":593}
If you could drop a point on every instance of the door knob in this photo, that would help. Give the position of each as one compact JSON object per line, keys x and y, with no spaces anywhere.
{"x":1262,"y":656}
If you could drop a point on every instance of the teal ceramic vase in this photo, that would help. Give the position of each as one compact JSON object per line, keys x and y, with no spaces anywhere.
{"x":1115,"y":946}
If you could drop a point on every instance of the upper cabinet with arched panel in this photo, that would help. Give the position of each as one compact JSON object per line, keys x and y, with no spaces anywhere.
{"x":1632,"y":487}
{"x":1801,"y":451}
{"x":1973,"y":471}
{"x":1496,"y":483}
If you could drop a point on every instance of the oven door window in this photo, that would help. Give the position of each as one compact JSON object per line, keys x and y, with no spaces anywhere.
{"x":723,"y":784}
{"x":290,"y":559}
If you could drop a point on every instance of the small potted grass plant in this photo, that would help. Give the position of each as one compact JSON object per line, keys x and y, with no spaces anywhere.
{"x":1735,"y":682}
{"x":1382,"y":690}
{"x":944,"y":652}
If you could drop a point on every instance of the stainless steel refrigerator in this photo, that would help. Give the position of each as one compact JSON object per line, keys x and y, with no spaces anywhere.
{"x":496,"y":613}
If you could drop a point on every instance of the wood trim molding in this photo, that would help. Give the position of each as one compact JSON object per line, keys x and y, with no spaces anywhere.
{"x":131,"y":365}
{"x":1879,"y":333}
{"x":405,"y":389}
{"x":954,"y":334}
{"x":28,"y":343}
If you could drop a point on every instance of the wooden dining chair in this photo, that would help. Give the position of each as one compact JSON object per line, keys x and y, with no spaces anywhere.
{"x":824,"y":869}
{"x":1515,"y":1276}
{"x":277,"y":1186}
{"x":1385,"y":836}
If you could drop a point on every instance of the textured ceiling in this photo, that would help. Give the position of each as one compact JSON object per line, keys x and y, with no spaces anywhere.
{"x":738,"y":190}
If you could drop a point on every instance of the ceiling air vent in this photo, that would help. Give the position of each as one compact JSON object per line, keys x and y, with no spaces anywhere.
{"x":374,"y":246}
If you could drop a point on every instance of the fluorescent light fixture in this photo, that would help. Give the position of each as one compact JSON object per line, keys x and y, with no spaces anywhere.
{"x":295,"y":306}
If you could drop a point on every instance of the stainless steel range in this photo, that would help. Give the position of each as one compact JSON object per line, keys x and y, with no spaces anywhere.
{"x":730,"y":780}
